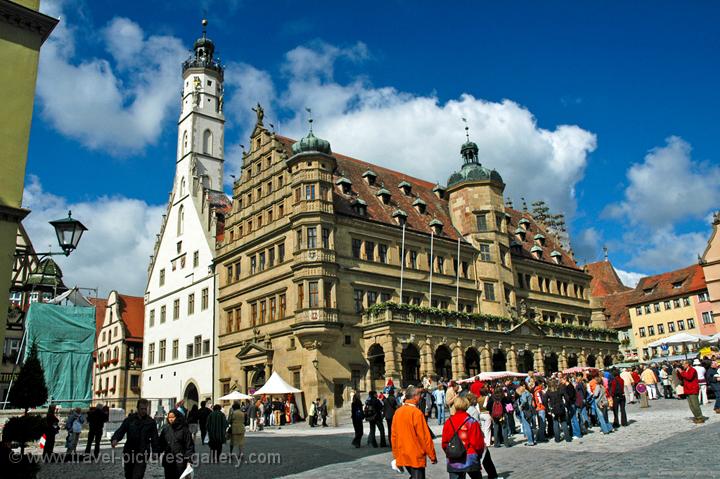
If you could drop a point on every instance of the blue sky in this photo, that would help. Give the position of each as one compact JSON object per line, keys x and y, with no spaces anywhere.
{"x":608,"y":112}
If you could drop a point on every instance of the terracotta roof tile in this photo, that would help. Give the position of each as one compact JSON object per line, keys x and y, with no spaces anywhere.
{"x":132,"y":313}
{"x":604,"y":279}
{"x":551,"y":244}
{"x":616,"y":308}
{"x":661,"y":286}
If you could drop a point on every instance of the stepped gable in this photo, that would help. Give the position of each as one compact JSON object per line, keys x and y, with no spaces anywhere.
{"x":605,"y":280}
{"x":670,"y":284}
{"x":132,"y":313}
{"x":551,"y":243}
{"x":100,"y":307}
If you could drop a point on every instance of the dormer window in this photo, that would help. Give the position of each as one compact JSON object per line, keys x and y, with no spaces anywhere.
{"x":400,"y":217}
{"x":436,"y":226}
{"x":384,"y":196}
{"x":520,"y":234}
{"x":524,"y":223}
{"x":345,"y":185}
{"x":537,"y":252}
{"x":370,"y":176}
{"x":556,"y":256}
{"x":539,"y":239}
{"x":360,"y":207}
{"x":515,"y":247}
{"x":405,"y":187}
{"x":419,"y":205}
{"x":439,"y":191}
{"x":678,"y":284}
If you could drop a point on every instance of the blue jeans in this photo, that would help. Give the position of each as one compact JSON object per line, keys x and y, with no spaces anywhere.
{"x":604,"y":425}
{"x":584,"y":419}
{"x":573,"y":417}
{"x":540,"y":435}
{"x":716,"y":389}
{"x":557,"y":424}
{"x":441,"y":415}
{"x":526,"y":428}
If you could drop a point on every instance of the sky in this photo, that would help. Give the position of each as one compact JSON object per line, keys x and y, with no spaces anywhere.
{"x":606,"y":111}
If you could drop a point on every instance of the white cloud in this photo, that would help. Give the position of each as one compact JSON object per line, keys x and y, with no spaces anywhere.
{"x":666,"y":250}
{"x":667,"y":187}
{"x":629,"y":278}
{"x":115,"y":251}
{"x":118,"y":106}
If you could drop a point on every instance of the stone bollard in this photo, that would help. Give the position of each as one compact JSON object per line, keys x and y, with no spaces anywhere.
{"x":641,"y":389}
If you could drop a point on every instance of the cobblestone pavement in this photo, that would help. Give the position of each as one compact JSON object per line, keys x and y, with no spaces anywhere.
{"x":660,"y":441}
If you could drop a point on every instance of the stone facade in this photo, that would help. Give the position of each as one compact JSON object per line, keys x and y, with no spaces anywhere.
{"x":711,"y":267}
{"x":311,"y":283}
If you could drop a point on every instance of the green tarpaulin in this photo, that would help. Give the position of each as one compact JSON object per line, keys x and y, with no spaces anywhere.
{"x":65,"y":338}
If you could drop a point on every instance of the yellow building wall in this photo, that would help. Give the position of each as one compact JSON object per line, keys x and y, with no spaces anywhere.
{"x":663,"y":317}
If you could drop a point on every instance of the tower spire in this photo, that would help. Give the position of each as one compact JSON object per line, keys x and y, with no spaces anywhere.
{"x":204,"y":27}
{"x":467,"y":129}
{"x":310,"y":118}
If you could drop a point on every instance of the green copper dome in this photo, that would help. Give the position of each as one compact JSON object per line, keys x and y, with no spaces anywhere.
{"x":311,"y":144}
{"x":473,"y":172}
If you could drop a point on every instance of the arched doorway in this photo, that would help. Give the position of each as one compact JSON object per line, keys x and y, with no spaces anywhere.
{"x":376,"y":360}
{"x":526,"y":361}
{"x":410,"y":359}
{"x":499,"y":360}
{"x":258,"y":377}
{"x":191,"y":396}
{"x":472,"y":362}
{"x":590,"y":361}
{"x":443,"y":362}
{"x":551,"y":363}
{"x":572,"y":360}
{"x":607,"y":361}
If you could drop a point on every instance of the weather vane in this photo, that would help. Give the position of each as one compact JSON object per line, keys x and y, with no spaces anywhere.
{"x":310,"y":119}
{"x":467,"y":129}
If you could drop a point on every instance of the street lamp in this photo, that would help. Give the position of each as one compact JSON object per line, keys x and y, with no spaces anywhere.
{"x":68,"y":231}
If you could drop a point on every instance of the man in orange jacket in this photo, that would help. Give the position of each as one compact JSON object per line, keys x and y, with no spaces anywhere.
{"x":411,"y":440}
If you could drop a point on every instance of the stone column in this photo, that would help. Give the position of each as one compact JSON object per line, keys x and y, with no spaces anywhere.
{"x":512,"y":359}
{"x":485,"y":359}
{"x":458,"y":363}
{"x":539,"y":361}
{"x":426,"y":358}
{"x":562,"y":360}
{"x":321,"y":294}
{"x":582,"y":358}
{"x":391,"y":361}
{"x":243,"y":380}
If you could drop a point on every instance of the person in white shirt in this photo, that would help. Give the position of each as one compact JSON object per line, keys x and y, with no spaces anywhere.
{"x":702,"y":397}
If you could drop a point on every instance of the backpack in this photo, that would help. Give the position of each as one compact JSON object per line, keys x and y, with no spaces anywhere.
{"x":455,"y":449}
{"x":619,"y":392}
{"x":369,"y":411}
{"x":497,"y":410}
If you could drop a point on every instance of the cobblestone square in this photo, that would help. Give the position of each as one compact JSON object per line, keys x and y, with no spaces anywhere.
{"x":659,"y":442}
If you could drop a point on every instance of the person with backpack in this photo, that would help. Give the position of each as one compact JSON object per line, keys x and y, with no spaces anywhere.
{"x":411,"y":441}
{"x":526,"y":413}
{"x":463,"y":442}
{"x":599,"y":402}
{"x":539,"y":405}
{"x":357,"y":415}
{"x":558,"y":409}
{"x":496,"y":407}
{"x":74,"y":426}
{"x":373,"y":414}
{"x":617,"y":393}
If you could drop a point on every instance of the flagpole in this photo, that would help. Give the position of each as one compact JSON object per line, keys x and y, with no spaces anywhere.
{"x":457,"y":278}
{"x":432,"y":239}
{"x":402,"y":263}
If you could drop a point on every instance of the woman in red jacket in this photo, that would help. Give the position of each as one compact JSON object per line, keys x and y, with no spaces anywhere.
{"x":691,"y":388}
{"x":470,"y":433}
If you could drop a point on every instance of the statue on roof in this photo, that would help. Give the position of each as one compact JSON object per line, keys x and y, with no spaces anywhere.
{"x":260,"y":112}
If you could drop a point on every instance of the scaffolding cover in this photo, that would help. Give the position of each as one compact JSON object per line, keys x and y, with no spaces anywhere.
{"x":65,"y":339}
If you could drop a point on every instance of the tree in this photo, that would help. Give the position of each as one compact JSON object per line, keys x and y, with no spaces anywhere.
{"x":29,"y":389}
{"x":540,"y":211}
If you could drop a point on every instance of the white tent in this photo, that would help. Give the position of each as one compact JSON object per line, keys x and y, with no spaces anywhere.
{"x":276,"y":385}
{"x":679,"y":339}
{"x":235,"y":396}
{"x":72,"y":295}
{"x":492,"y":375}
{"x":715,"y":338}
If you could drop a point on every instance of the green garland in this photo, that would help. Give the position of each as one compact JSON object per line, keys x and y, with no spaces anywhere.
{"x":441,"y":313}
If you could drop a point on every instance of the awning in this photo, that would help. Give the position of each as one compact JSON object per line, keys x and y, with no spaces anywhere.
{"x":276,"y":385}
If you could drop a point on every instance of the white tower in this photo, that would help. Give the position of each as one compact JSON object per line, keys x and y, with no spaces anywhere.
{"x":179,"y":344}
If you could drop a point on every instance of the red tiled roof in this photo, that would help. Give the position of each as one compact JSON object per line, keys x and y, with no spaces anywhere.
{"x":100,"y":307}
{"x":604,"y":279}
{"x":616,"y":308}
{"x":551,"y":243}
{"x":132,"y":313}
{"x":660,"y":286}
{"x":436,"y":208}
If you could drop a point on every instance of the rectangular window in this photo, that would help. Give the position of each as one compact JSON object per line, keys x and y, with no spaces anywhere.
{"x":296,"y":380}
{"x":358,"y":299}
{"x":271,"y":256}
{"x":283,"y":306}
{"x":300,"y":296}
{"x":671,"y":327}
{"x":385,"y":297}
{"x":176,"y":309}
{"x":413,"y":260}
{"x":489,"y":291}
{"x":263,"y":311}
{"x":642,"y":332}
{"x":313,"y":294}
{"x":667,"y":305}
{"x":189,"y":351}
{"x":356,"y":247}
{"x":162,"y":277}
{"x":298,"y":240}
{"x":163,"y":314}
{"x":204,"y":299}
{"x":273,"y":309}
{"x":206,"y":346}
{"x":162,"y":351}
{"x":281,"y":210}
{"x":269,"y":187}
{"x":198,"y":345}
{"x":261,"y":260}
{"x":656,"y":307}
{"x":253,"y":264}
{"x":309,"y":192}
{"x":253,"y":313}
{"x":703,"y":297}
{"x":134,"y":381}
{"x":681,"y":325}
{"x":661,"y":328}
{"x":647,"y":309}
{"x":372,"y":297}
{"x":370,"y":250}
{"x":281,"y":252}
{"x":327,"y":300}
{"x":191,"y":303}
{"x":175,"y":348}
{"x":485,"y":252}
{"x":638,"y":310}
{"x":676,"y":303}
{"x":651,"y":330}
{"x":686,"y":301}
{"x":498,"y":222}
{"x":229,"y":274}
{"x":382,"y":253}
{"x":441,"y":265}
{"x":326,"y":238}
{"x":297,"y":195}
{"x":152,"y":318}
{"x":311,"y":237}
{"x":151,"y":354}
{"x":238,"y":269}
{"x":691,"y":323}
{"x":196,"y":259}
{"x":707,"y":317}
{"x":481,"y":222}
{"x":465,"y":269}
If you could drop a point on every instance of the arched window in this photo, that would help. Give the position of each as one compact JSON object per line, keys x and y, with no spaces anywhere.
{"x":185,"y":143}
{"x":102,"y":358}
{"x":180,"y":220}
{"x":207,"y":142}
{"x":182,"y":186}
{"x":116,"y":353}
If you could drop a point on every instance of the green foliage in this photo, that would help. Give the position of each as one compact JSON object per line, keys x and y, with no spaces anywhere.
{"x":578,"y":329}
{"x":24,"y":429}
{"x":29,"y":390}
{"x":437,"y":312}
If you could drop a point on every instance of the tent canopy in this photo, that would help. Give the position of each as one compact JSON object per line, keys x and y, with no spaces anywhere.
{"x":235,"y":396}
{"x":276,"y":385}
{"x":679,"y":339}
{"x":73,"y":296}
{"x":490,"y":376}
